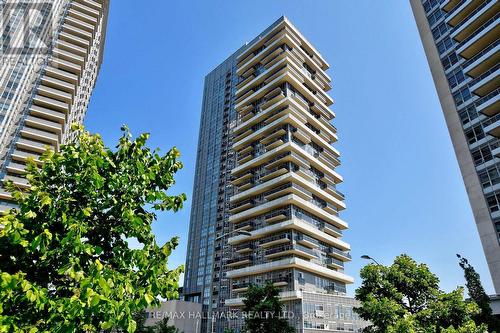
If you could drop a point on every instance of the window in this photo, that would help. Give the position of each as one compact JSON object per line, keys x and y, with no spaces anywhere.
{"x":445,"y":45}
{"x":490,"y":177}
{"x":481,"y":155}
{"x":493,"y":202}
{"x":435,"y":16}
{"x":474,"y":134}
{"x":462,"y":96}
{"x":468,"y":114}
{"x":440,"y":30}
{"x":456,"y":77}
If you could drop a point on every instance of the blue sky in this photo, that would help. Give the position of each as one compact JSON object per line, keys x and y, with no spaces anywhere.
{"x":402,"y":182}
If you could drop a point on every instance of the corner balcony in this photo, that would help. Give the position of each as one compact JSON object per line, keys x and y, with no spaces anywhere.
{"x":480,"y":39}
{"x":477,"y":17}
{"x":485,"y":59}
{"x":486,"y":82}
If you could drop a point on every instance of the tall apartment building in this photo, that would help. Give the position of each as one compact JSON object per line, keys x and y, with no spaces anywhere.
{"x":265,"y":203}
{"x":461,"y":41}
{"x":51,"y":55}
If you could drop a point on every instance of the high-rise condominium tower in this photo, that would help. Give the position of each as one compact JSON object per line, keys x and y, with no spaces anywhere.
{"x":461,"y":40}
{"x":265,"y":205}
{"x":50,"y":57}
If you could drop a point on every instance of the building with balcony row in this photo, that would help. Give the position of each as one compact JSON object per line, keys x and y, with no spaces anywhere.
{"x":51,"y":55}
{"x":266,"y":207}
{"x":461,"y":41}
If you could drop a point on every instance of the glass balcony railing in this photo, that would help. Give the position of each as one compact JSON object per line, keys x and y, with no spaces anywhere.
{"x":334,"y":261}
{"x":458,"y":5}
{"x":340,"y":252}
{"x":478,"y":31}
{"x":480,"y":54}
{"x":474,"y":12}
{"x":486,"y":98}
{"x":484,"y":75}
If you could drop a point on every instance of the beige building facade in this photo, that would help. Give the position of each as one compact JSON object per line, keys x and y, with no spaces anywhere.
{"x":286,"y":199}
{"x":461,"y":41}
{"x":46,"y":78}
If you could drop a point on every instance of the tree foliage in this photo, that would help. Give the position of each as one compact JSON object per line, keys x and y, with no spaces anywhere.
{"x":478,"y":295}
{"x":264,"y":310}
{"x":160,"y":327}
{"x":405,"y":297}
{"x":65,"y":261}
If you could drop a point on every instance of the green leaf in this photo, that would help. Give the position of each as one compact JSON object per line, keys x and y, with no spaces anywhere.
{"x":132,"y":326}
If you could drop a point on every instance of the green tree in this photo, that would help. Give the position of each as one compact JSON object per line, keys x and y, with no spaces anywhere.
{"x":65,"y":260}
{"x":163,"y":327}
{"x":478,"y":295}
{"x":264,"y":310}
{"x":160,"y":327}
{"x":405,"y":297}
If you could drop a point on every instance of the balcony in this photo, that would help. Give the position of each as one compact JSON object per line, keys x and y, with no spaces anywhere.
{"x":335,"y":263}
{"x":16,"y":168}
{"x":307,"y":241}
{"x":480,"y":15}
{"x":331,"y":230}
{"x":289,"y":249}
{"x":42,"y":112}
{"x":33,"y":146}
{"x":62,"y":75}
{"x":339,"y":254}
{"x":43,"y":124}
{"x":240,"y":261}
{"x":448,"y":5}
{"x":51,"y":103}
{"x":244,"y":248}
{"x":273,"y":173}
{"x":243,"y":205}
{"x":490,"y":107}
{"x":284,"y":296}
{"x":485,"y":59}
{"x":17,"y":181}
{"x":244,"y":226}
{"x":293,"y":262}
{"x":464,"y":11}
{"x":480,"y":38}
{"x":274,"y":240}
{"x":493,"y":129}
{"x":32,"y":133}
{"x":486,"y":82}
{"x":275,"y":217}
{"x":22,"y":156}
